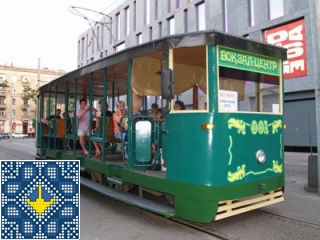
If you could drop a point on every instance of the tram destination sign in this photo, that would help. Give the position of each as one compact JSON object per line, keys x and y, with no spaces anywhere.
{"x":232,"y":58}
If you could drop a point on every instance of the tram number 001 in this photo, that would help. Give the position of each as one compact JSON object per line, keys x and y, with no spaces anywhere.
{"x":260,"y":127}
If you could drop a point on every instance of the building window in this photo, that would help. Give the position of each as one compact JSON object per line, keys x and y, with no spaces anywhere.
{"x":3,"y":78}
{"x":160,"y":29}
{"x":98,"y":38}
{"x":92,"y":40}
{"x":275,"y":9}
{"x":185,"y":18}
{"x":251,"y":13}
{"x":150,"y":33}
{"x":201,"y":16}
{"x":118,"y":27}
{"x":13,"y":101}
{"x":101,"y":40}
{"x":139,"y":38}
{"x":120,"y":47}
{"x":111,"y":36}
{"x":87,"y":48}
{"x":13,"y":112}
{"x":156,"y":9}
{"x":134,"y":16}
{"x":82,"y":49}
{"x":169,"y":6}
{"x":225,"y":15}
{"x":127,"y":21}
{"x":177,"y":3}
{"x":25,"y":79}
{"x":25,"y":101}
{"x":171,"y":26}
{"x":147,"y":12}
{"x":79,"y":51}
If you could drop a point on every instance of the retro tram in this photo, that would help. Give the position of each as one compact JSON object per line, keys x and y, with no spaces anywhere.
{"x":221,"y":156}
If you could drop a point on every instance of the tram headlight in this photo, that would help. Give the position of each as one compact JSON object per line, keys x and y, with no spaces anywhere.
{"x":260,"y":156}
{"x":207,"y":126}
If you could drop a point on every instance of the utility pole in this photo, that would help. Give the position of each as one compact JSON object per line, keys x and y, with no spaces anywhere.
{"x":38,"y":77}
{"x":10,"y":115}
{"x":37,"y":101}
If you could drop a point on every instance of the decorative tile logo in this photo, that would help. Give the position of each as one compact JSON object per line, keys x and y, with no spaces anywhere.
{"x":40,"y":199}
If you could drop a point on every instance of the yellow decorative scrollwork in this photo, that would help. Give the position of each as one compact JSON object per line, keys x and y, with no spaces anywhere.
{"x":237,"y":175}
{"x":276,"y":167}
{"x":260,"y":127}
{"x":276,"y":125}
{"x":238,"y":124}
{"x":241,"y":173}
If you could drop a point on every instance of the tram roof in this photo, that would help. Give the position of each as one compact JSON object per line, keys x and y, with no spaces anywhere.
{"x":176,"y":41}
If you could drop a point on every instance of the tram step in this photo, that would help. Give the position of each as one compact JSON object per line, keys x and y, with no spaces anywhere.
{"x":115,"y":180}
{"x":130,"y":199}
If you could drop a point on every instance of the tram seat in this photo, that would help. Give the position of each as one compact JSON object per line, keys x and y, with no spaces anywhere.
{"x":53,"y":136}
{"x":60,"y":129}
{"x":110,"y":133}
{"x":44,"y":130}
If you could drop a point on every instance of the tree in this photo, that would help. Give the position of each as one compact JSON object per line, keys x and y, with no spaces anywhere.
{"x":30,"y":93}
{"x":4,"y":84}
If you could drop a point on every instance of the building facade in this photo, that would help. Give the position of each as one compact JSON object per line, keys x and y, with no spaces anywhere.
{"x":289,"y":23}
{"x":17,"y":97}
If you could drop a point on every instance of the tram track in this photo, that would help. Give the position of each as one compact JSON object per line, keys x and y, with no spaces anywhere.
{"x":287,"y":217}
{"x":200,"y":228}
{"x":221,"y":229}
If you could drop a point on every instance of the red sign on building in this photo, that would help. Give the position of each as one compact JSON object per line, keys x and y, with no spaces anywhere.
{"x":291,"y":36}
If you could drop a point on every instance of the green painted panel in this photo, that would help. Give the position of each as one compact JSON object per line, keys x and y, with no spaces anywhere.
{"x":241,"y":136}
{"x":225,"y":154}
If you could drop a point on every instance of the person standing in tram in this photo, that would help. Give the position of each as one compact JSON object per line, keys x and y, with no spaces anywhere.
{"x":96,"y":132}
{"x":83,"y":125}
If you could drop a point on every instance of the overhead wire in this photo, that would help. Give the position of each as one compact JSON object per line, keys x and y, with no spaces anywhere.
{"x":76,"y":10}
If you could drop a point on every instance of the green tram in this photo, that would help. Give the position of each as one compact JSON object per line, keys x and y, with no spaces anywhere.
{"x":221,"y":156}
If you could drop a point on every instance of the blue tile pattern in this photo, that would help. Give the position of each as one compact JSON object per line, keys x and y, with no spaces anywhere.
{"x":40,"y":199}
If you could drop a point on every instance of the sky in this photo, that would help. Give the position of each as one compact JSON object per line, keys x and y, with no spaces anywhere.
{"x":44,"y":31}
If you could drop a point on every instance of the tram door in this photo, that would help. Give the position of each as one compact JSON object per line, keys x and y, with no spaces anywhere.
{"x":143,"y":143}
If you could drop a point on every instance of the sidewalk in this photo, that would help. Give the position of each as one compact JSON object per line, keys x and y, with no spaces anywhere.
{"x":298,"y":204}
{"x":297,"y":158}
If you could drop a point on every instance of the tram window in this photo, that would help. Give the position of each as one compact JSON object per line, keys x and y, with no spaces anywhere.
{"x":248,"y":91}
{"x":190,"y":76}
{"x":194,"y":99}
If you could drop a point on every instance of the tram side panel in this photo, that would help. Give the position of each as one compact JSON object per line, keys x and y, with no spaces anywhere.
{"x":249,"y":154}
{"x":222,"y":163}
